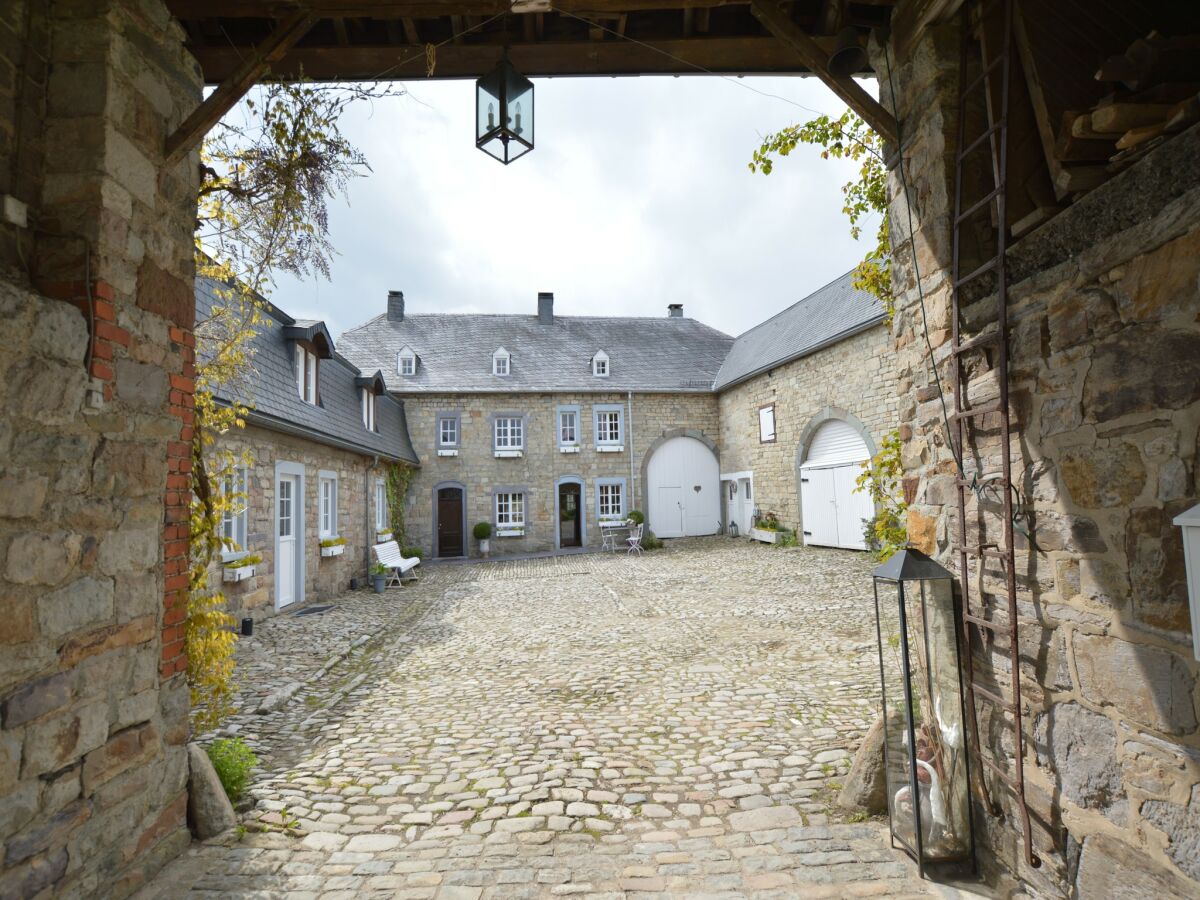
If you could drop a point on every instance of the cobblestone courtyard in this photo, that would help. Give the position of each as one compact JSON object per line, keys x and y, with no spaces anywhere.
{"x":596,"y":725}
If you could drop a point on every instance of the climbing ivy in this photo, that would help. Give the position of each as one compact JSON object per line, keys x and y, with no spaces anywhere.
{"x":399,"y":477}
{"x":887,"y":533}
{"x":847,"y":137}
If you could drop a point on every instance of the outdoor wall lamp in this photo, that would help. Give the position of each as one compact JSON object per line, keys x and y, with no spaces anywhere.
{"x":925,"y":747}
{"x":504,"y":113}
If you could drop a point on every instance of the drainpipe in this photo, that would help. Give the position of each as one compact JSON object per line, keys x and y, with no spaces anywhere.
{"x":629,"y":428}
{"x":369,"y":493}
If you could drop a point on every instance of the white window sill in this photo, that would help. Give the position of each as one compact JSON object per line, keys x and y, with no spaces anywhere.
{"x":610,"y":448}
{"x":510,"y":532}
{"x":574,"y":448}
{"x":509,"y":454}
{"x":447,"y":453}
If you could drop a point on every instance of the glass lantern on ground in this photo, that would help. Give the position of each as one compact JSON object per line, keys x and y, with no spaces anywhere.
{"x":925,"y":747}
{"x":504,"y":113}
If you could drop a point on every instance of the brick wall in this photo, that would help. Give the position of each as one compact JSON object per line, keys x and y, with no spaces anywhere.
{"x":856,"y":376}
{"x":654,"y":415}
{"x":325,"y":576}
{"x":1105,"y":401}
{"x":93,"y":464}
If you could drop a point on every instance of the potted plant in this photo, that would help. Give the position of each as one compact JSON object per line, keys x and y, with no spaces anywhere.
{"x":333,"y":546}
{"x":379,"y":573}
{"x":483,"y":531}
{"x":383,"y":536}
{"x":766,"y":528}
{"x":239,"y":568}
{"x":637,"y":517}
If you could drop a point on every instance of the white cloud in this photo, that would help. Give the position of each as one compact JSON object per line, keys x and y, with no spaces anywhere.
{"x":637,"y":195}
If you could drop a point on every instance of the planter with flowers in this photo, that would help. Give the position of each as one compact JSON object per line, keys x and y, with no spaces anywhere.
{"x":239,"y":568}
{"x":333,"y":546}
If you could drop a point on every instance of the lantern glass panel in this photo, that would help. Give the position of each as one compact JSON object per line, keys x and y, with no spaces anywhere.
{"x":487,"y":103}
{"x":924,"y":745}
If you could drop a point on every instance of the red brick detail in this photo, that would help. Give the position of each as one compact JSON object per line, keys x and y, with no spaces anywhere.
{"x":177,"y":497}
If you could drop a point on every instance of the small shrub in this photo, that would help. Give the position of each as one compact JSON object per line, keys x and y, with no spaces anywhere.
{"x":378,"y":569}
{"x":410,"y":552}
{"x":787,"y":538}
{"x":233,"y":761}
{"x":482,"y":531}
{"x":637,"y":517}
{"x":651,"y":541}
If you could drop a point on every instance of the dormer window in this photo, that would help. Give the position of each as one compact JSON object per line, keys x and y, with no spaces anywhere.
{"x":501,"y":360}
{"x":406,"y":362}
{"x":367,"y":401}
{"x":306,"y":372}
{"x":600,"y":365}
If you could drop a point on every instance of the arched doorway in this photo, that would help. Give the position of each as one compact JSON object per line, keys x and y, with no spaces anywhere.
{"x":683,"y":483}
{"x":832,"y":512}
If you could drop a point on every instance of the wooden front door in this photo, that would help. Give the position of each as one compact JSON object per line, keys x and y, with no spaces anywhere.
{"x":450,"y":522}
{"x":569,"y":516}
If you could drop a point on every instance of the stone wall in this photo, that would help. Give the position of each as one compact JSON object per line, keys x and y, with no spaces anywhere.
{"x":855,"y":379}
{"x":1105,"y":403}
{"x":325,"y":577}
{"x":654,"y":416}
{"x":94,"y":437}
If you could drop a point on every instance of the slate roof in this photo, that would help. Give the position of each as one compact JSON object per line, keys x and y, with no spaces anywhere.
{"x":454,"y":353}
{"x":275,"y":402}
{"x":831,"y":314}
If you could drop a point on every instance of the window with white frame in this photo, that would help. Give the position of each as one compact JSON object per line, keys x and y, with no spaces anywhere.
{"x":510,"y":509}
{"x":233,"y":519}
{"x":306,"y":373}
{"x":600,"y":365}
{"x":381,"y":506}
{"x":766,"y":424}
{"x":568,"y":427}
{"x":368,"y":402}
{"x":608,"y":425}
{"x":610,"y":500}
{"x":447,"y":431}
{"x":509,"y":433}
{"x":406,"y":362}
{"x":329,"y":491}
{"x":501,"y":360}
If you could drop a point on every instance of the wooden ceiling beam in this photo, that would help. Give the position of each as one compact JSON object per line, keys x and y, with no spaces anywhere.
{"x":416,"y":9}
{"x":816,"y":59}
{"x":411,"y":35}
{"x":252,"y":64}
{"x":733,"y":56}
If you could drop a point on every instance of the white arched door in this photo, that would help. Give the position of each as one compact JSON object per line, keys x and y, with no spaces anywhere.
{"x":833,"y":512}
{"x":683,"y":483}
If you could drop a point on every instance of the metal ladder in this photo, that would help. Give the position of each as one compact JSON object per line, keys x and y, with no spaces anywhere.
{"x":990,"y":68}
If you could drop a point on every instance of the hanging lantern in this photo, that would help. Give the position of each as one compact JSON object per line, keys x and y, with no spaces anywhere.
{"x":504,"y":113}
{"x":925,"y":747}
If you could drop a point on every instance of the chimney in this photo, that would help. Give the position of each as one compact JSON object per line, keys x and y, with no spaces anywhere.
{"x":545,"y":308}
{"x":674,"y":310}
{"x":395,"y":306}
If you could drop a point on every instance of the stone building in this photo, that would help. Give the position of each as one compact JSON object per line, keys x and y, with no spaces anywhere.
{"x":578,"y":420}
{"x":319,"y":438}
{"x":804,"y":398}
{"x":1103,"y":397}
{"x":546,"y":426}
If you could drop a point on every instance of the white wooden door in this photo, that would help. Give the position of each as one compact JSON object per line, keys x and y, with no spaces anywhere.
{"x":285,"y":529}
{"x":745,"y":505}
{"x":684,"y":485}
{"x":666,"y":513}
{"x":818,"y":507}
{"x":852,"y":507}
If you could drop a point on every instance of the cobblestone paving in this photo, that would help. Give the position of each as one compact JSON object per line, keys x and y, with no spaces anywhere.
{"x":595,"y":725}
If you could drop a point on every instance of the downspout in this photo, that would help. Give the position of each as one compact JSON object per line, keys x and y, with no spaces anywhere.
{"x":369,"y":493}
{"x":632,"y":465}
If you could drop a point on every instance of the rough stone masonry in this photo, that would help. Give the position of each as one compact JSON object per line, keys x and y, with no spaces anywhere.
{"x":95,"y":427}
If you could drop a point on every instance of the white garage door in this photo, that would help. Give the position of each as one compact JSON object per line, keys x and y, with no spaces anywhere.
{"x":683,"y":489}
{"x":833,"y":512}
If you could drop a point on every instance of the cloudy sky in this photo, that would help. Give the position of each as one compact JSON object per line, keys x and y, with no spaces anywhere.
{"x":637,"y":195}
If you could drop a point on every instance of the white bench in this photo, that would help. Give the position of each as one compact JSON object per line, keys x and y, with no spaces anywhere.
{"x":399,"y":566}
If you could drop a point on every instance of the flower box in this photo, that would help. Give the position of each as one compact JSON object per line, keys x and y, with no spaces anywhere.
{"x":335,"y":550}
{"x":447,"y":453}
{"x":382,"y":536}
{"x":610,"y":448}
{"x":238,"y":573}
{"x":509,"y":454}
{"x":573,"y":448}
{"x":760,"y":534}
{"x":510,"y":532}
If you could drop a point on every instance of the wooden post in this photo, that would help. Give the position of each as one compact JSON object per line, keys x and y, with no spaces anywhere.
{"x":192,"y":130}
{"x":811,"y":54}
